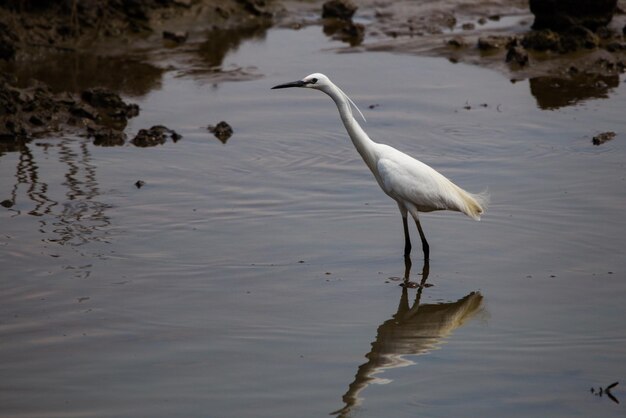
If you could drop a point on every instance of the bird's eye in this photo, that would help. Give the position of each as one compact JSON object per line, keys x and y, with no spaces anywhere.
{"x":313,"y":81}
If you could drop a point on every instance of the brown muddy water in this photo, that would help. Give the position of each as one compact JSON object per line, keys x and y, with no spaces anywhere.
{"x":259,"y":278}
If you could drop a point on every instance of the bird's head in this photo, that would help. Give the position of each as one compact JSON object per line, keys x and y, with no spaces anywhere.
{"x":316,"y":81}
{"x":319,"y":81}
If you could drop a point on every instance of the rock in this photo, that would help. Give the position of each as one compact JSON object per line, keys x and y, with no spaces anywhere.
{"x":339,"y":9}
{"x":561,"y":15}
{"x":602,"y":138}
{"x":147,"y":138}
{"x":516,"y":54}
{"x":156,"y":135}
{"x":222,"y":131}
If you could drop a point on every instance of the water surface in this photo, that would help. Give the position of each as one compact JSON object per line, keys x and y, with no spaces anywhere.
{"x":259,"y":278}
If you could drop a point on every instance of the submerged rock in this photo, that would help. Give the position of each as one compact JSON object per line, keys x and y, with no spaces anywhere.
{"x":156,"y":135}
{"x":602,"y":138}
{"x":222,"y":131}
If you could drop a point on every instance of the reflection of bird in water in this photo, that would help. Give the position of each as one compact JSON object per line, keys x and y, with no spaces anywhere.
{"x":413,"y":330}
{"x":415,"y":186}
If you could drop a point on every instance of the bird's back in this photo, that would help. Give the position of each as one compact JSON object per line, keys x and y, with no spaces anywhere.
{"x":408,"y":180}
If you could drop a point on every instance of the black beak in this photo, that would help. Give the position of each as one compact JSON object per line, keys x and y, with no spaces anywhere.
{"x":298,"y":83}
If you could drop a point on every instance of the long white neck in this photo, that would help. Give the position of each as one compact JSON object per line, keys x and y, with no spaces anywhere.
{"x":363,"y":144}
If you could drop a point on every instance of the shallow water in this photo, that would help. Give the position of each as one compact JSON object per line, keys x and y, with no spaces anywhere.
{"x":259,"y":277}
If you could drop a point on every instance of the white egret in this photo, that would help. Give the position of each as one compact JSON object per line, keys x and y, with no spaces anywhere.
{"x":415,"y":186}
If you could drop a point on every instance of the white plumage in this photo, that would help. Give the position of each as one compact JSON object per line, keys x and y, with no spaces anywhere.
{"x":415,"y":186}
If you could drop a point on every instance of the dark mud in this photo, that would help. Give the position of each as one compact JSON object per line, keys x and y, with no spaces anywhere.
{"x":559,"y":42}
{"x":71,"y":25}
{"x":65,"y":62}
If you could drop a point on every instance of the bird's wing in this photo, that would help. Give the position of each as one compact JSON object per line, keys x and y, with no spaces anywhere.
{"x":406,"y":179}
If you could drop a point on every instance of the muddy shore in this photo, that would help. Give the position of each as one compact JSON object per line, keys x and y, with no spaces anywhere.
{"x":122,"y":48}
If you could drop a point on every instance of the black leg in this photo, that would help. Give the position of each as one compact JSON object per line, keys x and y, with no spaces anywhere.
{"x":407,"y":267}
{"x":425,"y":246}
{"x":407,"y":240}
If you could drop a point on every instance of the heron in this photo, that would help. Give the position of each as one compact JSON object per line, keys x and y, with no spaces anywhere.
{"x":415,"y":186}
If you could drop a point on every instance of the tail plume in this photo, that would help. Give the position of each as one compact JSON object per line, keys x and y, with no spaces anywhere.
{"x":476,"y":204}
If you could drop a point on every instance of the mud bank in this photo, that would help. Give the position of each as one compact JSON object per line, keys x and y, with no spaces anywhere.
{"x":53,"y":54}
{"x":503,"y":35}
{"x":73,"y":25}
{"x":566,"y":55}
{"x":125,"y":46}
